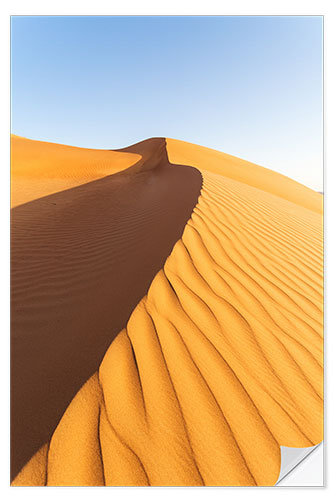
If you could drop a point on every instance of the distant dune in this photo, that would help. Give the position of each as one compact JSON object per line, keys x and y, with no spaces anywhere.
{"x":43,"y":168}
{"x":166,"y":316}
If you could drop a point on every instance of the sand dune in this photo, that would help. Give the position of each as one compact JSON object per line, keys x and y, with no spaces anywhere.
{"x":220,"y":362}
{"x":42,"y":168}
{"x":81,"y":261}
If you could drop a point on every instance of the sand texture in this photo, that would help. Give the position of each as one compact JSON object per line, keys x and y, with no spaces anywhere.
{"x":82,"y":259}
{"x":214,"y":363}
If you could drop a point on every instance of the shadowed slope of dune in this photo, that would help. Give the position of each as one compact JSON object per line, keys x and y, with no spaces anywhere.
{"x":81,"y":261}
{"x":220,"y":363}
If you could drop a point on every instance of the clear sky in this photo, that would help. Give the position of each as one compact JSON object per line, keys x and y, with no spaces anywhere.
{"x":247,"y":86}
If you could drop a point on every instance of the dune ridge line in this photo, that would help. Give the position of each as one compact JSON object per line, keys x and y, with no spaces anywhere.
{"x":81,"y":260}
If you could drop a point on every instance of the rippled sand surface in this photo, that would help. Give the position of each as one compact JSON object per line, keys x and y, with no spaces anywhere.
{"x":220,"y":362}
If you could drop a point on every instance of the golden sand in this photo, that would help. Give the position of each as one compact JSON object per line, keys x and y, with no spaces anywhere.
{"x":81,"y":260}
{"x":244,"y":171}
{"x":221,"y":362}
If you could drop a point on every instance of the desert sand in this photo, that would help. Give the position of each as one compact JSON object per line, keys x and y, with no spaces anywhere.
{"x":166,"y":317}
{"x":81,"y":261}
{"x":43,"y":168}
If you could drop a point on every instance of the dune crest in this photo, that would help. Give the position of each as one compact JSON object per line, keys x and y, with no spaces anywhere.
{"x":82,"y":259}
{"x":220,"y":363}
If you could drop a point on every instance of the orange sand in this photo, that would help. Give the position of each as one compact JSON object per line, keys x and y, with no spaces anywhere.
{"x":82,"y":259}
{"x":221,"y":362}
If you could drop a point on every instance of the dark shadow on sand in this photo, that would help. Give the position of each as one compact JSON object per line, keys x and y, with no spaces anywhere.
{"x":81,"y":261}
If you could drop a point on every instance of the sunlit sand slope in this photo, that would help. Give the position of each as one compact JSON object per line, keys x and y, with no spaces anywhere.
{"x":244,"y":171}
{"x":219,"y":364}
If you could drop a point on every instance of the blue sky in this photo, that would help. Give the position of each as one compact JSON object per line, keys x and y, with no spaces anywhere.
{"x":248,"y":86}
